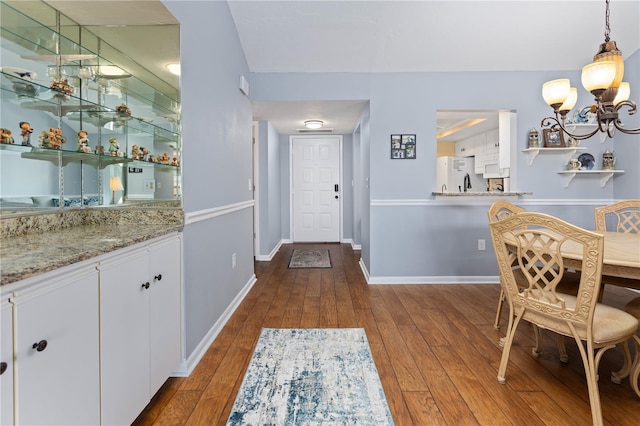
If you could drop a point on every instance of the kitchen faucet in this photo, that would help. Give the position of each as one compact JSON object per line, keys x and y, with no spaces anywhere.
{"x":467,"y":182}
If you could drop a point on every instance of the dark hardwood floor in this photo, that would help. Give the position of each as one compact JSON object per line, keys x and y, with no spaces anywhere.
{"x":434,"y":346}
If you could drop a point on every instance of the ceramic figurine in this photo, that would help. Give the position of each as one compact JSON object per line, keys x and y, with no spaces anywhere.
{"x":113,"y":146}
{"x":83,"y":142}
{"x":135,"y":152}
{"x":123,"y":110}
{"x":51,"y":138}
{"x":144,"y":152}
{"x":5,"y":136}
{"x":99,"y":149}
{"x":534,"y":138}
{"x":608,"y":160}
{"x":25,"y":131}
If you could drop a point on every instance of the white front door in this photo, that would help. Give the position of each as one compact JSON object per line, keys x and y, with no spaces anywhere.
{"x":315,"y":188}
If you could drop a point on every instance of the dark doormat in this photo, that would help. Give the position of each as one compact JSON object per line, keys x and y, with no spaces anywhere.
{"x":303,"y":258}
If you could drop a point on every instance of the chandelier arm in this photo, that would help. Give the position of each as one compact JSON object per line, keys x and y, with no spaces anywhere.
{"x":631,"y":107}
{"x":556,"y":124}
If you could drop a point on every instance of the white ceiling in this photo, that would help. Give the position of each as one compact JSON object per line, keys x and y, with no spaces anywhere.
{"x":394,"y":36}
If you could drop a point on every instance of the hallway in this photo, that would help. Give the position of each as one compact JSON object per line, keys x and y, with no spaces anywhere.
{"x":434,"y":346}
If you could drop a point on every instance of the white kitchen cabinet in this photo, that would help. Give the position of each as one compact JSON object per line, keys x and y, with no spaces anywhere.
{"x":56,"y":348}
{"x":480,"y":152}
{"x":466,"y":147}
{"x":139,"y":326}
{"x":6,"y":363}
{"x":165,"y":325}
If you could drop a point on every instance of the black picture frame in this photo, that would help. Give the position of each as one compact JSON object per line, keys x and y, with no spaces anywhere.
{"x":553,"y":138}
{"x":403,"y":146}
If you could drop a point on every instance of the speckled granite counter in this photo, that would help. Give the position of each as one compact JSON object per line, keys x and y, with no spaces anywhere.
{"x":37,"y":244}
{"x":481,"y":194}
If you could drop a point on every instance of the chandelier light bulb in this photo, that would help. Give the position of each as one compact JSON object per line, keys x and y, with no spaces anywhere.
{"x":555,"y":92}
{"x":570,"y":102}
{"x":624,"y":92}
{"x":598,"y":75}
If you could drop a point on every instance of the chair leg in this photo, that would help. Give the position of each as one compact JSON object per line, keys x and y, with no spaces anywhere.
{"x":617,"y":376}
{"x":504,"y":360}
{"x":496,"y":324}
{"x":562,"y":349}
{"x":635,"y":370}
{"x":536,"y":349}
{"x":591,"y":359}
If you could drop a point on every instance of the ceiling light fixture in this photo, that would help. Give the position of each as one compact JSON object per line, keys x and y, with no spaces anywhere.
{"x":603,"y":78}
{"x":313,"y":124}
{"x":174,"y":68}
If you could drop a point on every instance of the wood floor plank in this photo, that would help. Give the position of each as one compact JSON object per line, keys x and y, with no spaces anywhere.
{"x":434,"y":346}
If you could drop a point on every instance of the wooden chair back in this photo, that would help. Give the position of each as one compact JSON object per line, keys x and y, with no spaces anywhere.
{"x":626,"y":214}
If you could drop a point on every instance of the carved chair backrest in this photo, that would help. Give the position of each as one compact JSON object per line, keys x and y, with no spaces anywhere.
{"x":532,"y":243}
{"x":626,"y":214}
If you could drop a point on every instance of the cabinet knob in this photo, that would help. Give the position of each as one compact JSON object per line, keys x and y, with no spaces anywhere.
{"x":145,"y":285}
{"x":3,"y":367}
{"x":157,"y":277}
{"x":40,"y":346}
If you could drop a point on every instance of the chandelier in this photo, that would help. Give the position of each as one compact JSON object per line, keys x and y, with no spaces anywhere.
{"x":603,"y":78}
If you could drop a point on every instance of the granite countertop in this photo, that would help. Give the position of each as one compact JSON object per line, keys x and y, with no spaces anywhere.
{"x":32,"y":254}
{"x":482,"y":194}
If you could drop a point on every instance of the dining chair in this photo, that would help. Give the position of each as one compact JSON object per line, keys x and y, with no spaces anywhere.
{"x":500,"y":210}
{"x":532,"y":243}
{"x":623,"y":216}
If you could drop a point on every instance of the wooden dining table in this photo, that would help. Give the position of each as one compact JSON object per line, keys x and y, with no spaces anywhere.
{"x":621,"y":258}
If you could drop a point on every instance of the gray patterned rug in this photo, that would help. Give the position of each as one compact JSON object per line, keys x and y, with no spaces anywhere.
{"x":305,"y":258}
{"x":311,"y":377}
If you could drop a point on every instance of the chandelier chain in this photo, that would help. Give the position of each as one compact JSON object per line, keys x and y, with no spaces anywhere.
{"x":607,"y":29}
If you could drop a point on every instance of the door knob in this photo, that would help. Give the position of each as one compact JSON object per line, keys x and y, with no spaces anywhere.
{"x":3,"y":367}
{"x":157,"y":277}
{"x":336,"y":197}
{"x":145,"y":286}
{"x":40,"y":346}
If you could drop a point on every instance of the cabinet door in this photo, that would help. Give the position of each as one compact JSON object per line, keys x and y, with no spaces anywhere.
{"x":57,"y":353}
{"x":124,"y":345}
{"x":165,"y":314}
{"x":6,"y":357}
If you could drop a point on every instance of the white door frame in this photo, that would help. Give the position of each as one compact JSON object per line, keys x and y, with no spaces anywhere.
{"x":256,"y":198}
{"x":341,"y":183}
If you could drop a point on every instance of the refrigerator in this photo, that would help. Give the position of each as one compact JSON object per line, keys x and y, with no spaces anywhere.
{"x":454,"y":172}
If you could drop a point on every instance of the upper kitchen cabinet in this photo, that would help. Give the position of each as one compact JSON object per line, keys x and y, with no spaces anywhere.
{"x":82,"y":123}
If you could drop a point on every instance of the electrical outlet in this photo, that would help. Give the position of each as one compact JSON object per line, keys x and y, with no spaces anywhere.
{"x":481,"y":245}
{"x":233,"y":260}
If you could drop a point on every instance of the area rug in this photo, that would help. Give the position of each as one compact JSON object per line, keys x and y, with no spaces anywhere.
{"x":311,"y":377}
{"x":304,"y":258}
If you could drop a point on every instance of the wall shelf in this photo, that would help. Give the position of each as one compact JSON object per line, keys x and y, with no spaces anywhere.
{"x":605,"y":175}
{"x":568,"y":152}
{"x":584,"y":128}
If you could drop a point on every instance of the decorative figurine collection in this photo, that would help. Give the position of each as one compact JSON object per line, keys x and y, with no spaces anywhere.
{"x":113,"y":146}
{"x":83,"y":142}
{"x":25,"y":131}
{"x":123,"y":111}
{"x":608,"y":160}
{"x":534,"y":139}
{"x":61,"y":86}
{"x":5,"y":136}
{"x":52,"y":138}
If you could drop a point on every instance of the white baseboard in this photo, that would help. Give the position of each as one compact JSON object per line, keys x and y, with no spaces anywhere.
{"x":269,"y":257}
{"x":190,"y":363}
{"x":435,"y":280}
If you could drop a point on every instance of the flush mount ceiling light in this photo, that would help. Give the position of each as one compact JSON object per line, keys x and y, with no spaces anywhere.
{"x":603,"y":78}
{"x":174,"y":68}
{"x":313,"y":124}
